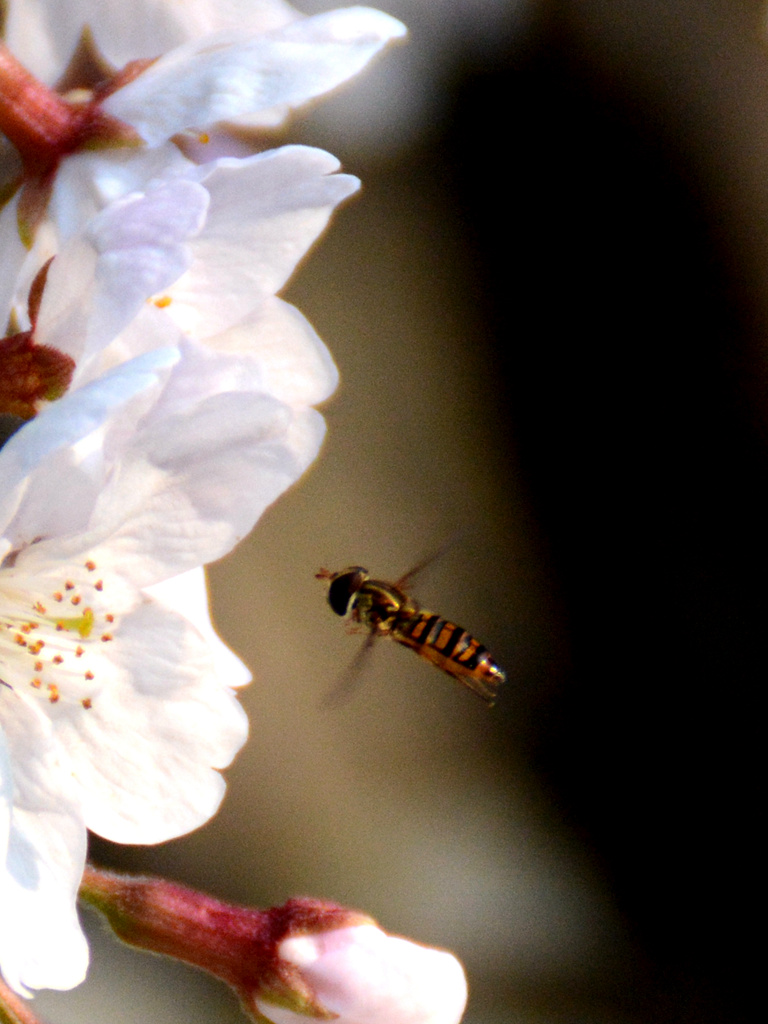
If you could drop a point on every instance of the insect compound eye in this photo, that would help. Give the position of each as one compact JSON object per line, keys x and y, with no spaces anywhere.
{"x":343,"y":587}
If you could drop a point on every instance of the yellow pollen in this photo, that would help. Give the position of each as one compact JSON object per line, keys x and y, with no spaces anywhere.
{"x":87,"y":703}
{"x":79,"y":652}
{"x":83,"y":624}
{"x":204,"y":137}
{"x":36,"y":647}
{"x":39,"y":607}
{"x":87,"y":623}
{"x":106,"y":637}
{"x":99,"y":585}
{"x":90,"y":566}
{"x":76,"y":599}
{"x":69,"y":585}
{"x":89,"y":675}
{"x":163,"y":302}
{"x":58,"y":596}
{"x":109,"y":617}
{"x":39,"y":666}
{"x":36,"y":683}
{"x":20,"y":640}
{"x":53,"y":693}
{"x":57,"y":659}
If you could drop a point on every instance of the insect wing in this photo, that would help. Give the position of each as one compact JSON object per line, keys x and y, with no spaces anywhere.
{"x":404,"y":582}
{"x":350,"y":677}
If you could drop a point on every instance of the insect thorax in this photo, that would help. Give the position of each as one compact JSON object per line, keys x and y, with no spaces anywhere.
{"x":380,"y":606}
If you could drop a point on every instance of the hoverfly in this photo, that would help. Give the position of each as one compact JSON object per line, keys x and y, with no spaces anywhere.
{"x":384,"y":609}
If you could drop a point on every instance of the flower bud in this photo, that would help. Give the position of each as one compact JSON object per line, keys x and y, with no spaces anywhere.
{"x":305,"y":960}
{"x":364,"y":976}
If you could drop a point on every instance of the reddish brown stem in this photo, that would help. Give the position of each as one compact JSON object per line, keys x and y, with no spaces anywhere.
{"x":240,"y":945}
{"x":32,"y":116}
{"x":14,"y":1009}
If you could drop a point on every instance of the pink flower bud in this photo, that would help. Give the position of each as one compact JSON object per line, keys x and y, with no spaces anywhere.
{"x":361,"y":975}
{"x":306,"y":960}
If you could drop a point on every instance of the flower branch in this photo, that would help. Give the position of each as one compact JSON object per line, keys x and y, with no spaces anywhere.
{"x":306,"y":958}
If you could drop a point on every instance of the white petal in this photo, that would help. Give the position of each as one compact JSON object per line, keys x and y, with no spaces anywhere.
{"x":197,"y":483}
{"x":294,"y":364}
{"x":143,"y":755}
{"x":265,"y":213}
{"x":211,"y":80}
{"x":41,"y":944}
{"x":86,"y":182}
{"x":44,"y":34}
{"x":131,"y":250}
{"x":187,"y":594}
{"x":62,"y":441}
{"x":14,"y":255}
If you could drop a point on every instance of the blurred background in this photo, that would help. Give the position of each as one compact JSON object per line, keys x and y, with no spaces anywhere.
{"x":549,"y":307}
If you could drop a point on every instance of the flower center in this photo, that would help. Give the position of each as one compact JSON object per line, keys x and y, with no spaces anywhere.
{"x":51,"y":637}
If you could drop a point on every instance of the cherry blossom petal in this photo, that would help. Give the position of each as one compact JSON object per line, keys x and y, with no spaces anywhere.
{"x":65,"y":442}
{"x":187,"y":594}
{"x":88,"y":181}
{"x":293,"y":364}
{"x":131,"y":250}
{"x":187,"y":493}
{"x":240,"y":228}
{"x":14,"y":255}
{"x":44,"y":33}
{"x":227,"y":76}
{"x":265,"y":212}
{"x":85,"y":184}
{"x":142,"y":748}
{"x":41,"y":944}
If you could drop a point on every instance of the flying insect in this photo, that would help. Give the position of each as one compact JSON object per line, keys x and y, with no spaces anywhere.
{"x":385,"y":609}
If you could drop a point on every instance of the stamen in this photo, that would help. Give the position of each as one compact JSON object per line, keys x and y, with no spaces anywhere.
{"x":53,"y":673}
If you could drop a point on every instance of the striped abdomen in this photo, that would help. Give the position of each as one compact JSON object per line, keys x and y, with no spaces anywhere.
{"x":452,"y":649}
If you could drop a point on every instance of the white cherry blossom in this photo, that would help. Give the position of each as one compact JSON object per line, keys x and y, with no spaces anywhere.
{"x":185,"y":417}
{"x":41,"y":667}
{"x":232,"y":76}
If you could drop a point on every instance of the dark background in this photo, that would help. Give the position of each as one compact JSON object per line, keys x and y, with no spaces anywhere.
{"x":630,"y":321}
